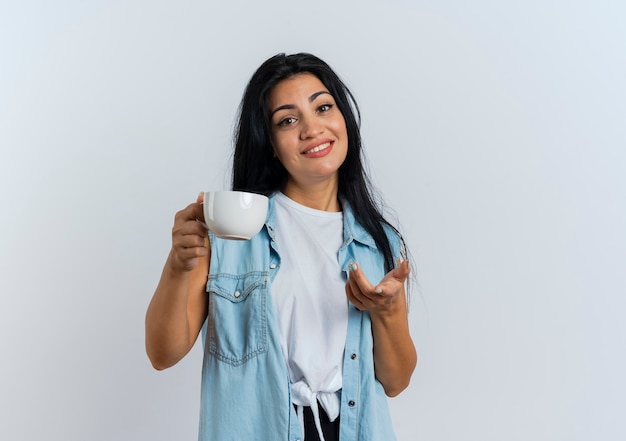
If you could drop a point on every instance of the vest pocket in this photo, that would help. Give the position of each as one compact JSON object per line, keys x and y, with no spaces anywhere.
{"x":237,"y":321}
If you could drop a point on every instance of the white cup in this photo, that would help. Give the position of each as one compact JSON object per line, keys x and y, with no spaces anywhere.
{"x":235,"y":215}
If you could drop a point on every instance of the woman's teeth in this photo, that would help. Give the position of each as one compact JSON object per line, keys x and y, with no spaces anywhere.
{"x":319,"y":148}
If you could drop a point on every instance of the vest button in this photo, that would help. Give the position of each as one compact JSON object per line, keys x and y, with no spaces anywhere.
{"x":273,"y":266}
{"x":353,"y":356}
{"x":237,"y":294}
{"x":351,"y":403}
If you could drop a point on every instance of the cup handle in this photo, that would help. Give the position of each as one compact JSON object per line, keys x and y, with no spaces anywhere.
{"x":202,"y":223}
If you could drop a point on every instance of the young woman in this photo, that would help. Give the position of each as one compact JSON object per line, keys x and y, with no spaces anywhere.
{"x":306,"y":328}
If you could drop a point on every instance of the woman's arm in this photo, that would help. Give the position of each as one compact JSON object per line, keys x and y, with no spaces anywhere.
{"x":394,"y":352}
{"x":179,"y":305}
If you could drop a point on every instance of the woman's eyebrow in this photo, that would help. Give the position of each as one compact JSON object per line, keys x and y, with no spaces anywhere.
{"x":283,"y":107}
{"x":316,"y":94}
{"x":291,"y":106}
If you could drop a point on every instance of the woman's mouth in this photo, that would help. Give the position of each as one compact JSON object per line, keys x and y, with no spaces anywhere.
{"x":318,"y":148}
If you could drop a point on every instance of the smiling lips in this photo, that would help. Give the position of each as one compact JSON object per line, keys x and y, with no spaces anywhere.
{"x":319,"y":150}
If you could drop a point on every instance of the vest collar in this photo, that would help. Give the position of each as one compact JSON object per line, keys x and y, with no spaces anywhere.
{"x":352,"y":230}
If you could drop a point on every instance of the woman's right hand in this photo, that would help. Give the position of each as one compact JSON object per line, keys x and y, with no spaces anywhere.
{"x":189,"y":237}
{"x":179,"y":305}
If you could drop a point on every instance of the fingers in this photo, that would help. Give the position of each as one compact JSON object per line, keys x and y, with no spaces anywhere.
{"x":358,"y":280}
{"x":361,"y":293}
{"x":199,"y":208}
{"x":397,"y":275}
{"x":193,"y":211}
{"x":352,"y":298}
{"x":366,"y":296}
{"x":189,"y":236}
{"x":189,"y":239}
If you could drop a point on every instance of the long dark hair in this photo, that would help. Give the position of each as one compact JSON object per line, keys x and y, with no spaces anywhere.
{"x":256,"y":169}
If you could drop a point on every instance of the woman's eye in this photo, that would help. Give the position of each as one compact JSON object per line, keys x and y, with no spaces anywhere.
{"x":324,"y":107}
{"x":286,"y":121}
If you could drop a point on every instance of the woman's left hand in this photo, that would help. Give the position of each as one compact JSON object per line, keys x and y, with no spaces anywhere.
{"x":387,"y":297}
{"x":394,"y":352}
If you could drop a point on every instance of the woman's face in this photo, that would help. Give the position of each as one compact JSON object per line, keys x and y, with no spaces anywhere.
{"x":308,"y":131}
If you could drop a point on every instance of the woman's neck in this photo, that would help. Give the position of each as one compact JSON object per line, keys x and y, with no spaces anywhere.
{"x":320,"y":196}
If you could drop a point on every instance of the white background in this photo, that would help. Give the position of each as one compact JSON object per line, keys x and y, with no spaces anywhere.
{"x":496,"y":130}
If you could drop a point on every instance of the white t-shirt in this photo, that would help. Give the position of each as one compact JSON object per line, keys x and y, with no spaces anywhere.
{"x":310,"y":300}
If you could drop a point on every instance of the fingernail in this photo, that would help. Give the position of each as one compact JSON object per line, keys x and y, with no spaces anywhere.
{"x":378,"y":291}
{"x":353,"y":267}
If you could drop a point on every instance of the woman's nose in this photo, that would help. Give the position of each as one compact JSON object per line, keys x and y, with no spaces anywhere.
{"x":310,"y":128}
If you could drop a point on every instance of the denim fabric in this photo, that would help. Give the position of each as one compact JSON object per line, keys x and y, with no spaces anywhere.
{"x":245,"y":392}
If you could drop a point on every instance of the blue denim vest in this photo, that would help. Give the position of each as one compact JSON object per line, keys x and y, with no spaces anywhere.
{"x":245,"y":393}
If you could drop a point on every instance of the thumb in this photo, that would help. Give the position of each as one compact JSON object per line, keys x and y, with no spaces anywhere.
{"x":199,"y":209}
